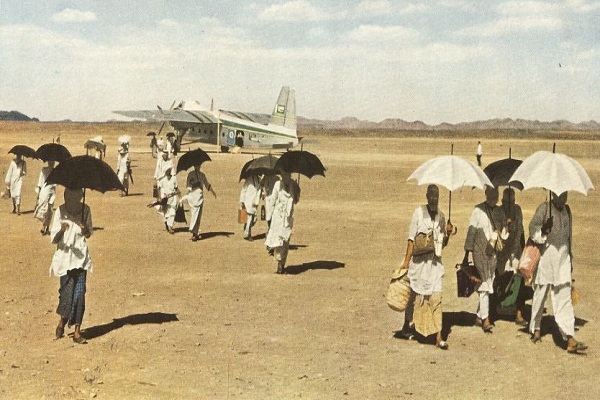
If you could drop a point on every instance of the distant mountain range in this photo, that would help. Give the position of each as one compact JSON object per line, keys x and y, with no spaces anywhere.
{"x":15,"y":116}
{"x":396,"y":124}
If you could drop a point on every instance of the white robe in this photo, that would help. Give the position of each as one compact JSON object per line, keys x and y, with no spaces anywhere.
{"x":160,"y":171}
{"x":250,"y":194}
{"x":71,"y":250}
{"x":168,"y":187}
{"x":122,"y":168}
{"x":46,"y":196}
{"x":282,"y":221}
{"x":195,"y":183}
{"x":14,"y":178}
{"x":426,"y":271}
{"x":268,"y":183}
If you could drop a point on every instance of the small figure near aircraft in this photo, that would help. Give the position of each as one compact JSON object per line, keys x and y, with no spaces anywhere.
{"x":231,"y":129}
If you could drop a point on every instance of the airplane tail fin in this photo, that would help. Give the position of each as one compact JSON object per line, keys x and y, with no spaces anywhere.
{"x":284,"y":113}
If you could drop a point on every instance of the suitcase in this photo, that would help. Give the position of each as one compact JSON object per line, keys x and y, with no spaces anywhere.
{"x":242,"y":216}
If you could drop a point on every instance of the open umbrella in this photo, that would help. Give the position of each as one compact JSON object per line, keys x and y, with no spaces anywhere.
{"x":450,"y":172}
{"x":52,"y":152}
{"x":151,"y":134}
{"x":264,"y":165}
{"x":302,"y":162}
{"x":170,"y":134}
{"x":501,"y":171}
{"x":85,"y":172}
{"x":191,"y":159}
{"x":124,"y":139}
{"x":23,"y":150}
{"x":552,"y":171}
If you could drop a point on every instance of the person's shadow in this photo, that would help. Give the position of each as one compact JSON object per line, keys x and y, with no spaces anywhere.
{"x":298,"y":269}
{"x":135,"y":319}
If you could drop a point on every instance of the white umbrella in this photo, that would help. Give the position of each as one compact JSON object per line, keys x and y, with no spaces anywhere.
{"x":124,"y":139}
{"x":450,"y":172}
{"x":556,"y":172}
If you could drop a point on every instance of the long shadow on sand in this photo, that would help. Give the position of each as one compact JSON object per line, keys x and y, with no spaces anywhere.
{"x":298,"y":269}
{"x":135,"y":319}
{"x":210,"y":235}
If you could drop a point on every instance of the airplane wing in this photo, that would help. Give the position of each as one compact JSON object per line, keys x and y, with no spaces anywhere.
{"x":177,"y":115}
{"x":252,"y":117}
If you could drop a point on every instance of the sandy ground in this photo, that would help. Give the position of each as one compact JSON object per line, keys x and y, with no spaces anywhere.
{"x":168,"y":318}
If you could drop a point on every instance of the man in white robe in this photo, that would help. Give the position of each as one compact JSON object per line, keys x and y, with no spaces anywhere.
{"x":162,"y":165}
{"x":46,"y":198}
{"x":287,"y":195}
{"x":267,"y":183}
{"x":170,"y":192}
{"x":14,"y":181}
{"x":554,"y":235}
{"x":425,"y":271}
{"x":249,"y":198}
{"x":485,"y":228}
{"x":195,"y":183}
{"x":123,"y":165}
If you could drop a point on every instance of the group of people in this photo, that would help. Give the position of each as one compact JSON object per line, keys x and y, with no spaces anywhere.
{"x":494,"y":243}
{"x":171,"y":144}
{"x":280,"y":194}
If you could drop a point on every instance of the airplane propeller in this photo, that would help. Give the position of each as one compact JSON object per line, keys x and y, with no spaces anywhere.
{"x":161,"y":110}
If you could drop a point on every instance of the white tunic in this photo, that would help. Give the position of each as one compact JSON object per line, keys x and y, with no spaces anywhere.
{"x":122,"y":167}
{"x":195,"y":183}
{"x":282,"y":220}
{"x":168,"y":187}
{"x":555,"y":262}
{"x":268,"y":182}
{"x":71,"y":250}
{"x":250,"y":194}
{"x":46,"y":194}
{"x":14,"y":177}
{"x":425,"y":271}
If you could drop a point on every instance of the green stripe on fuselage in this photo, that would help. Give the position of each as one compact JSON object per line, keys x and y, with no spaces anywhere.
{"x":248,"y":128}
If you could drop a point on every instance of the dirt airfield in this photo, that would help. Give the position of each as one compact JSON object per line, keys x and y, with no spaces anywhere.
{"x":168,"y":318}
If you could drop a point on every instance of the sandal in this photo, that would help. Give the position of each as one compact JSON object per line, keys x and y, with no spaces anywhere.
{"x":60,"y":332}
{"x":487,"y":326}
{"x":577,"y":348}
{"x":79,"y":340}
{"x":442,"y":344}
{"x":536,"y":337}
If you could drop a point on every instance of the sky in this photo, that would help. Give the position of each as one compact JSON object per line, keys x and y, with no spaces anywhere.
{"x":433,"y":61}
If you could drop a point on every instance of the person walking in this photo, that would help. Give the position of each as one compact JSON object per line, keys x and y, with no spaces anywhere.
{"x":555,"y":236}
{"x":154,"y":146}
{"x":484,"y":241}
{"x":162,"y":164}
{"x":479,"y":153}
{"x":287,"y":194}
{"x":268,"y":183}
{"x":170,"y":193}
{"x":195,"y":183}
{"x":123,"y":168}
{"x":425,"y":269}
{"x":46,"y":196}
{"x":17,"y":169}
{"x":71,"y":227}
{"x":249,"y":199}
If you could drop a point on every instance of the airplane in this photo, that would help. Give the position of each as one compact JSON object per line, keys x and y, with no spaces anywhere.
{"x":231,"y":129}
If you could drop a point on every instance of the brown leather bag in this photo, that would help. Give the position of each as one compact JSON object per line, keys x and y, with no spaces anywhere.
{"x":424,"y":244}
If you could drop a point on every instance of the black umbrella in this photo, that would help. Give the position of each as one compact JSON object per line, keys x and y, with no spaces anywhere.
{"x":151,"y":134}
{"x":264,"y":165}
{"x":302,"y":162}
{"x":85,"y":172}
{"x":501,"y":171}
{"x":52,"y":152}
{"x":170,"y":134}
{"x":191,"y":159}
{"x":23,"y":150}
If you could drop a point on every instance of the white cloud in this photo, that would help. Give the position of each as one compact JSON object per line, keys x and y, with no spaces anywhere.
{"x":465,"y":5}
{"x":381,"y":34}
{"x":295,"y":10}
{"x":412,"y":8}
{"x":509,"y":25}
{"x":527,"y":7}
{"x":373,"y":7}
{"x":70,"y":15}
{"x":582,"y":5}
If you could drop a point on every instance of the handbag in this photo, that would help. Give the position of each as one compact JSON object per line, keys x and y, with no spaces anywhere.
{"x":529,"y":260}
{"x":424,"y":244}
{"x":467,"y":279}
{"x":180,"y":214}
{"x":242,"y":216}
{"x":398,"y":293}
{"x":155,"y":191}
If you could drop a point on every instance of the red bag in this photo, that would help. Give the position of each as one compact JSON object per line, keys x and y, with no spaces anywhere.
{"x":529,"y":260}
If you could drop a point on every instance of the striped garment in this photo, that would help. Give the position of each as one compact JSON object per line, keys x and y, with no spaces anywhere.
{"x":71,"y":303}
